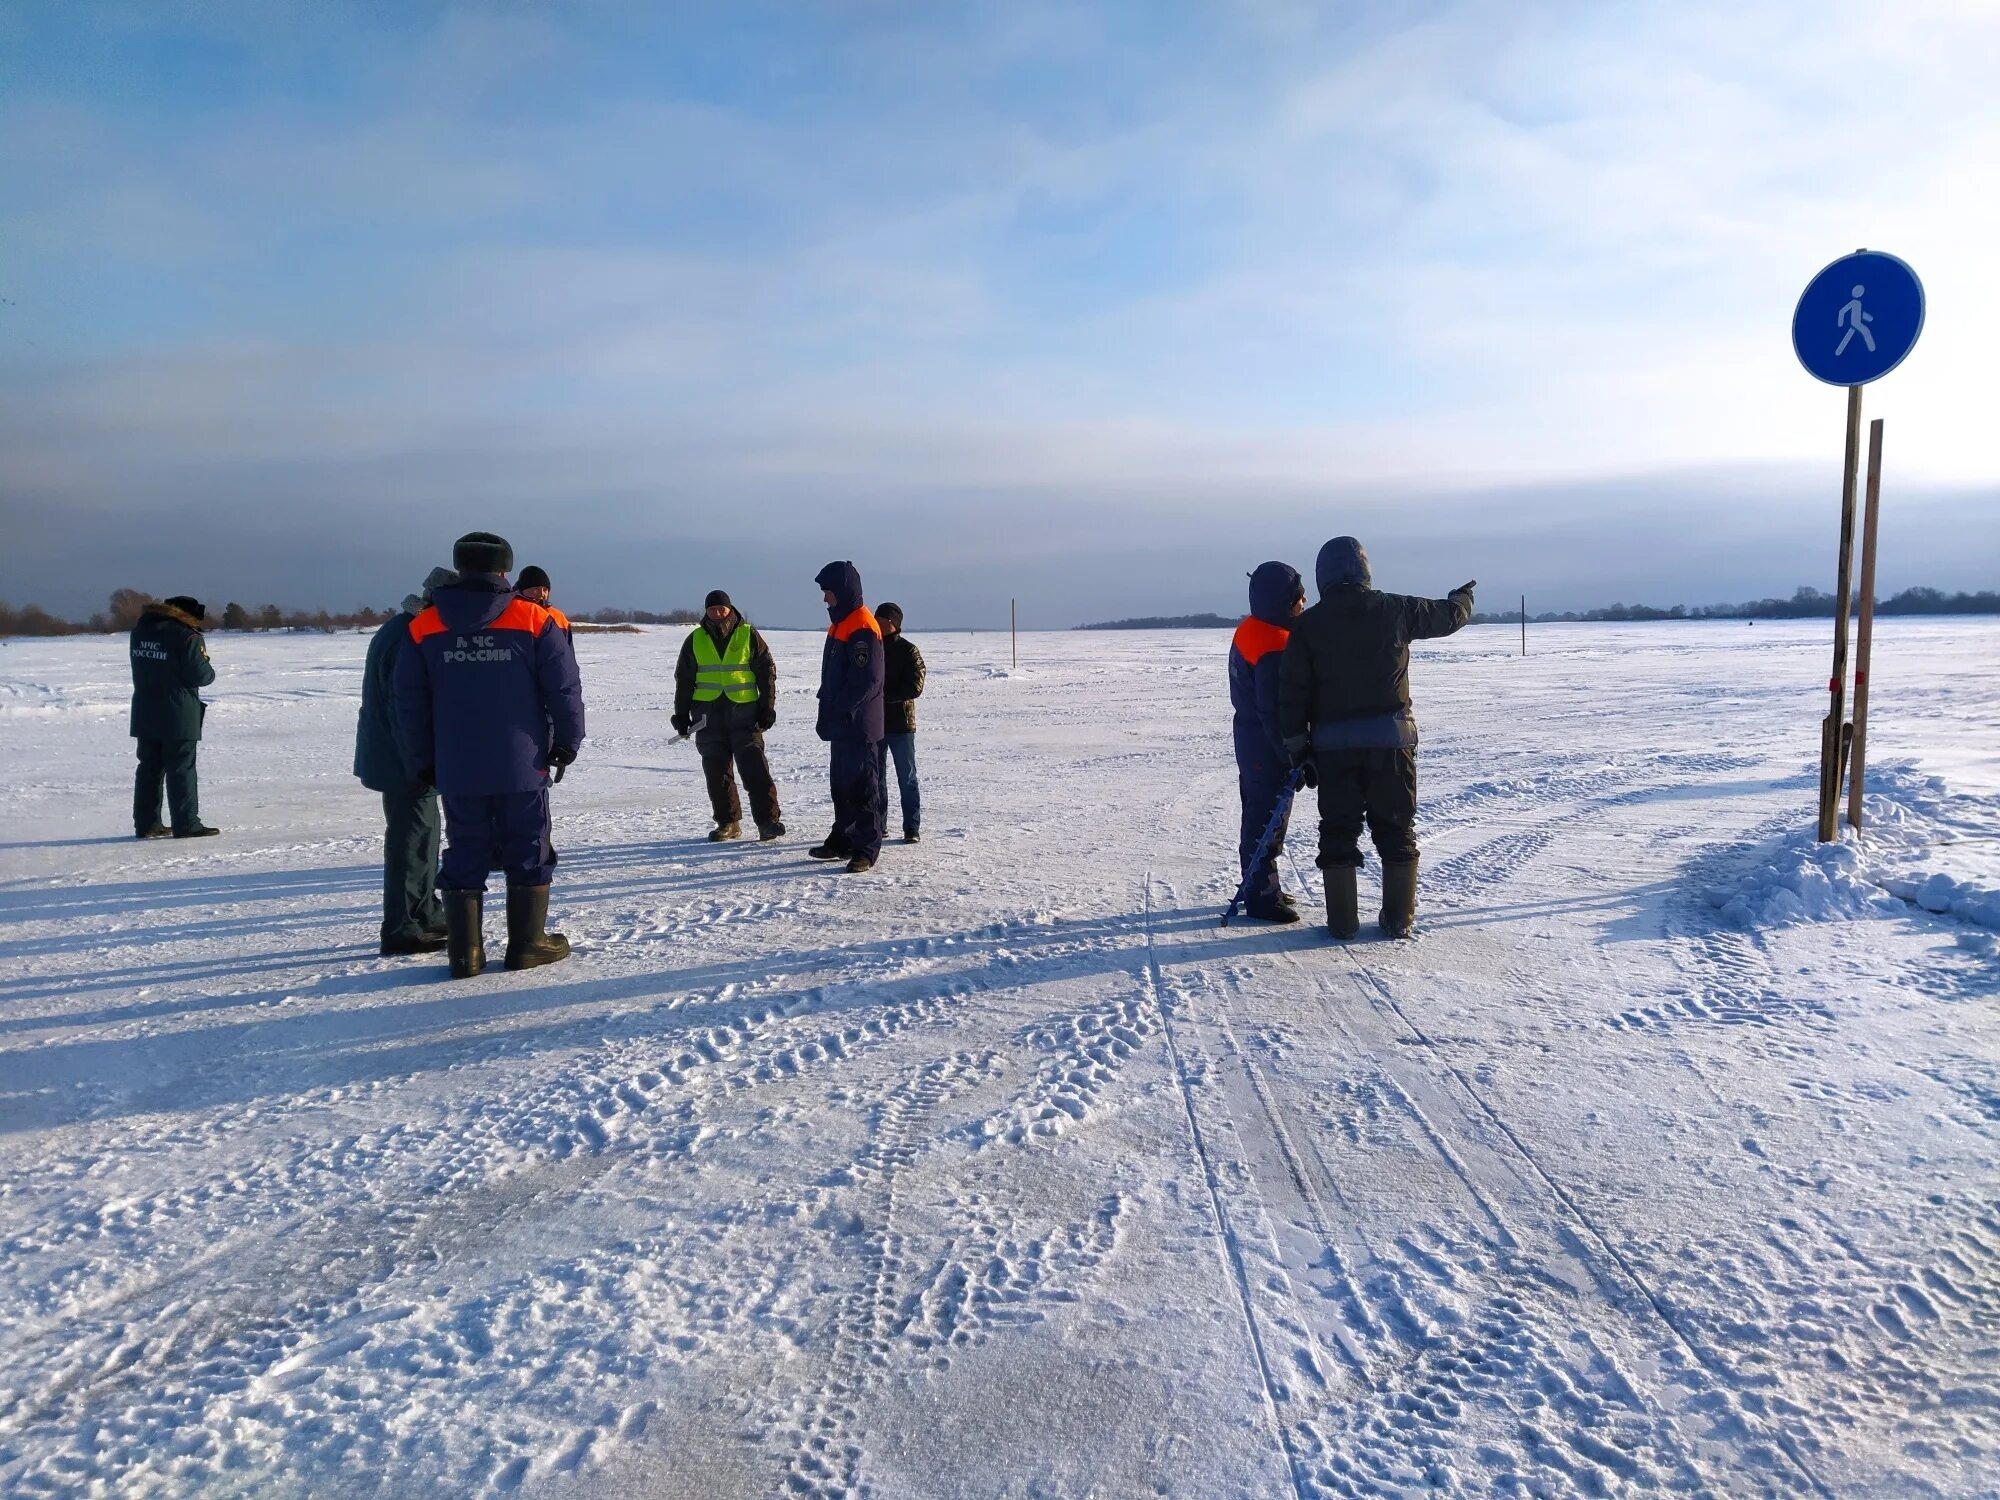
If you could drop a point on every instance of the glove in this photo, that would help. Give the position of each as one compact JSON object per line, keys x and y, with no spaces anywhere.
{"x":559,"y":760}
{"x":1308,"y":773}
{"x":680,"y":725}
{"x":1302,"y":761}
{"x":766,"y":718}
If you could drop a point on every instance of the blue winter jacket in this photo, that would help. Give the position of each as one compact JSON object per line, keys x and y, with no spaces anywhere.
{"x":378,"y":758}
{"x":1255,"y":656}
{"x":489,"y":685}
{"x":852,"y":666}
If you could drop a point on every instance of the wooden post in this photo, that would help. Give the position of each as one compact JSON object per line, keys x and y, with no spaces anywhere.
{"x":1833,"y":733}
{"x":1865,"y":636}
{"x":1013,"y":634}
{"x":1524,"y":624}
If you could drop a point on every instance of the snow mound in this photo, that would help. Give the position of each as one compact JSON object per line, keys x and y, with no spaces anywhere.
{"x":1914,"y":825}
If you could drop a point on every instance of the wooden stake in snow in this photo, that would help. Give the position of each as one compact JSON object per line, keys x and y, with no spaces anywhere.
{"x":1865,"y":638}
{"x":1013,"y":634}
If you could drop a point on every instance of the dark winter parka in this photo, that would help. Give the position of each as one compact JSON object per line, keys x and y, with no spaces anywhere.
{"x":903,"y":677}
{"x":487,"y":686}
{"x":169,"y":664}
{"x":722,"y":715}
{"x":1345,"y":682}
{"x":851,"y":668}
{"x":378,"y":759}
{"x":1255,"y":655}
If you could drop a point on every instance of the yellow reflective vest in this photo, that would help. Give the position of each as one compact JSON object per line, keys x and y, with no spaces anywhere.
{"x":726,"y":673}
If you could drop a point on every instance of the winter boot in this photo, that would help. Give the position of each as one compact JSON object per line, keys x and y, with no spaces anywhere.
{"x":199,"y":831}
{"x":912,"y":836}
{"x":828,"y":850}
{"x":465,"y":942}
{"x":723,"y":832}
{"x":861,"y":864}
{"x":1343,"y":917}
{"x":416,"y":942}
{"x":768,"y":831}
{"x":1399,"y":898}
{"x":1277,"y":908}
{"x":157,"y":831}
{"x":529,"y":942}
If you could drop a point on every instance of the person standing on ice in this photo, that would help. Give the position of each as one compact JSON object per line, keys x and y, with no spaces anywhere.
{"x":1344,"y":712}
{"x":903,"y":675}
{"x":170,"y":666}
{"x":726,"y":679}
{"x":533,"y":585}
{"x":1255,"y":655}
{"x":850,"y":719}
{"x":488,"y":700}
{"x":412,"y":915}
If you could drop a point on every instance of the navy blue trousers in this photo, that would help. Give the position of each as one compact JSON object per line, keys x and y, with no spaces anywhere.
{"x":1260,"y":778}
{"x":506,"y":832}
{"x":857,"y":798}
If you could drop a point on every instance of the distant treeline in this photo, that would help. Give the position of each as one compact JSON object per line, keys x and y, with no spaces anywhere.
{"x":1163,"y":622}
{"x":1807,"y":604}
{"x":127,"y":604}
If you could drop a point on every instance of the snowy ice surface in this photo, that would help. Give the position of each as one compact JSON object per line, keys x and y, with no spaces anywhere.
{"x":1663,"y":1160}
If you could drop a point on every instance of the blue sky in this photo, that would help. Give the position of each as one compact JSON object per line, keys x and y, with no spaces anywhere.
{"x":1093,"y":306}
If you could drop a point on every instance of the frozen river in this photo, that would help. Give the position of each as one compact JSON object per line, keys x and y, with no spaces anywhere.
{"x":1666,"y":1158}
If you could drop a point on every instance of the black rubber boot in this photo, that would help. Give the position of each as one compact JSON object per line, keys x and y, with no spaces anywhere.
{"x":1343,"y":914}
{"x":529,"y":943}
{"x":465,"y":939}
{"x":1399,"y":898}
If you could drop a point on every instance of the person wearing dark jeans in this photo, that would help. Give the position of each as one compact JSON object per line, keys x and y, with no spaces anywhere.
{"x":412,"y":914}
{"x":1344,"y":710}
{"x":170,"y":666}
{"x":903,"y":677}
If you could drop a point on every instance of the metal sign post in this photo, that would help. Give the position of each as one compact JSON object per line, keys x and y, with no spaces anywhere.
{"x":1857,"y":320}
{"x":1857,"y":771}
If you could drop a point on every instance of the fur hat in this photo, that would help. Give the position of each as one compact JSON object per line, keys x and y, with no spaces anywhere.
{"x":187,"y":606}
{"x":482,"y":552}
{"x":531,"y":577}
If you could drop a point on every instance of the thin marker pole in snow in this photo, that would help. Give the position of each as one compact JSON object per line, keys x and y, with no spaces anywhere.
{"x":1865,"y":637}
{"x":1013,"y":635}
{"x":1524,"y":624}
{"x":1833,"y":733}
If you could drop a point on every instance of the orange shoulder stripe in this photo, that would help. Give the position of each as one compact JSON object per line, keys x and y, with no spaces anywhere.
{"x":862,"y":619}
{"x":427,"y":624}
{"x":1256,"y":638}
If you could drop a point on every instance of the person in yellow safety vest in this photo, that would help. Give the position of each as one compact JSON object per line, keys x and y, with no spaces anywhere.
{"x":725,"y":695}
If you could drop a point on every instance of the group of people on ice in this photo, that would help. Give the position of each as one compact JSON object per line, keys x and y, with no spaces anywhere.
{"x":1322,"y":699}
{"x":471,"y":698}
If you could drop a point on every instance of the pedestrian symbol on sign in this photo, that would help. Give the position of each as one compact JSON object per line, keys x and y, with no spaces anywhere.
{"x":1854,"y":320}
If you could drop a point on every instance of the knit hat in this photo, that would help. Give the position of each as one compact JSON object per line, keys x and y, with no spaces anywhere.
{"x":187,"y":606}
{"x":715,"y":597}
{"x":531,"y":577}
{"x":889,"y":612}
{"x":482,"y":552}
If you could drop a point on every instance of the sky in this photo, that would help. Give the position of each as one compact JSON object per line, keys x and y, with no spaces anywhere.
{"x":1095,"y":307}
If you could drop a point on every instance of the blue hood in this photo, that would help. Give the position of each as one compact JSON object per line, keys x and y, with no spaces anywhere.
{"x":843,"y":581}
{"x":1342,"y":565}
{"x":474,"y":602}
{"x":1274,"y":588}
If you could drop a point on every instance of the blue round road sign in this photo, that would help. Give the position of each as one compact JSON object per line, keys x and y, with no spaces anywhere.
{"x":1858,"y":319}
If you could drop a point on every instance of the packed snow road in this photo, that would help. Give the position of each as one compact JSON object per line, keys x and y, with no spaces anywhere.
{"x":1666,"y":1159}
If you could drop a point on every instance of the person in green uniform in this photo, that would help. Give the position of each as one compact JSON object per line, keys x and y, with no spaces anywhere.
{"x":169,"y":668}
{"x":725,"y":695}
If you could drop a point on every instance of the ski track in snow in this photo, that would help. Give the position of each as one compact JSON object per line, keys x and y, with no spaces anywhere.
{"x":1662,"y":1161}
